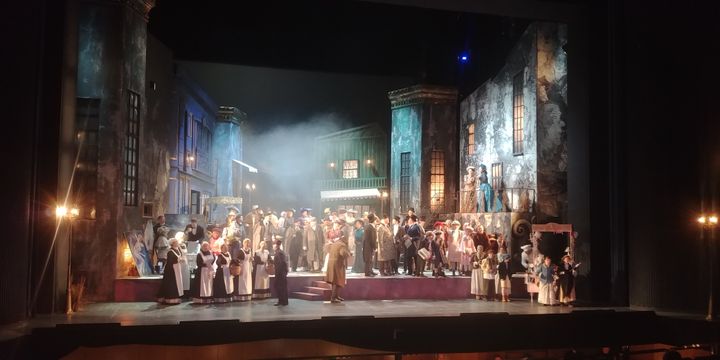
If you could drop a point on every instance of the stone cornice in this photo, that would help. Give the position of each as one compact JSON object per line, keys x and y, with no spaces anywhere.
{"x":231,"y":114}
{"x":418,"y":94}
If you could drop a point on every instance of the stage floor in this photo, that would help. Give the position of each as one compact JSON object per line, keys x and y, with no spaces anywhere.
{"x":150,"y":313}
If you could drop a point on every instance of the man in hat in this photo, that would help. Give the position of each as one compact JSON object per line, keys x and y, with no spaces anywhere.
{"x":254,"y":225}
{"x":567,"y":273}
{"x":369,"y":244}
{"x":398,"y":232}
{"x":338,"y":254}
{"x":294,"y":240}
{"x":281,"y":271}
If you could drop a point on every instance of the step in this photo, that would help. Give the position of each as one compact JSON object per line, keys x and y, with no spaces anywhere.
{"x":319,"y":290}
{"x":321,"y":284}
{"x":307,"y":296}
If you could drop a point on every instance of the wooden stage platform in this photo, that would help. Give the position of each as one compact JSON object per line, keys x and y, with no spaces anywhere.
{"x":310,"y":286}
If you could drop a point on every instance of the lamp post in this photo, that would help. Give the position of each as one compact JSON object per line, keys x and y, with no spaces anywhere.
{"x":709,"y":222}
{"x":250,"y":188}
{"x":382,"y":202}
{"x":63,"y":213}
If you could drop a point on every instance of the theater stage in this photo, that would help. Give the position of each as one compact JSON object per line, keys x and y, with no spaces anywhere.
{"x":366,"y":326}
{"x":310,"y":286}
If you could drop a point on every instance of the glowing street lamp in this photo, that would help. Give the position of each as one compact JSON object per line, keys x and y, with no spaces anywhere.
{"x":250,"y":188}
{"x":708,"y":222}
{"x":62,"y":212}
{"x":384,"y":196}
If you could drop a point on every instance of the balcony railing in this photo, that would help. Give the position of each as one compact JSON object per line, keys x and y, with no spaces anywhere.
{"x":512,"y":199}
{"x":359,"y":183}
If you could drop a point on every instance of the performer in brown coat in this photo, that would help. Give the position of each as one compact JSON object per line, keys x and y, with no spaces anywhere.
{"x":337,"y":263}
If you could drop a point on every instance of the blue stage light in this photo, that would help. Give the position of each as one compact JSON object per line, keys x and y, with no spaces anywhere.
{"x":464,"y":57}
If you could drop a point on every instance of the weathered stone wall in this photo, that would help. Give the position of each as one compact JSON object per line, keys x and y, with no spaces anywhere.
{"x":405,"y":137}
{"x":551,"y":121}
{"x":439,"y":133}
{"x":112,"y":42}
{"x":539,"y":58}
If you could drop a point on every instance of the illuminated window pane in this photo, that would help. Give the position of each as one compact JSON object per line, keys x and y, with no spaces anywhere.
{"x":405,"y":180}
{"x":518,"y":114}
{"x":471,"y":139}
{"x":437,"y":181}
{"x":497,"y":175}
{"x":350,"y":169}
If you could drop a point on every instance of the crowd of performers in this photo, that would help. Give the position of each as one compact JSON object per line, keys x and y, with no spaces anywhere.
{"x":234,"y":262}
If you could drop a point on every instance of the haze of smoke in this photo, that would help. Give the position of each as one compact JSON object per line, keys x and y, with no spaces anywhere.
{"x":284,"y":157}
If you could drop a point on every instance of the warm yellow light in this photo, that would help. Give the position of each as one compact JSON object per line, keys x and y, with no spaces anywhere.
{"x":332,"y":164}
{"x":74,"y":212}
{"x":61,"y":211}
{"x":127,"y":254}
{"x":702,"y":220}
{"x":385,"y":194}
{"x":713,"y":219}
{"x":191,"y":158}
{"x":369,"y":161}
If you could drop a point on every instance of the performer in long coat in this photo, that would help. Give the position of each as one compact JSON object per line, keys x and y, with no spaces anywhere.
{"x":504,"y":276}
{"x":171,"y":288}
{"x":294,"y":245}
{"x":310,"y":245}
{"x":281,"y":271}
{"x":414,"y":231}
{"x":477,"y":286}
{"x":369,"y":245}
{"x":467,"y":248}
{"x":223,"y":282}
{"x":386,"y":249}
{"x":489,"y":268}
{"x":261,"y":287}
{"x":244,"y":282}
{"x":567,"y":273}
{"x":358,"y":264}
{"x":337,"y":264}
{"x":546,"y":276}
{"x":398,"y":237}
{"x":205,"y":273}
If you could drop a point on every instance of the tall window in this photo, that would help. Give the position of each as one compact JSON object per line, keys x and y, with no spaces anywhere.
{"x":405,"y":180}
{"x":437,"y":181}
{"x":518,"y":114}
{"x":130,"y":185}
{"x":194,"y":202}
{"x":497,"y":175}
{"x":471,"y":139}
{"x":350,"y":169}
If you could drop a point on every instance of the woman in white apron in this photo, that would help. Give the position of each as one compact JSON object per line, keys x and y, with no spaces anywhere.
{"x":243,"y":291}
{"x":476,"y":280}
{"x":171,"y":288}
{"x":223,"y":282}
{"x":261,"y":288}
{"x":205,"y":272}
{"x":546,"y":276}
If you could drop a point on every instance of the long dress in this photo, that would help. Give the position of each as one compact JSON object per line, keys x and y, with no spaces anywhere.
{"x":223,"y":282}
{"x":546,"y":276}
{"x":467,"y":248}
{"x":358,"y":264}
{"x":184,"y":269}
{"x":171,"y":288}
{"x":567,"y":274}
{"x":489,"y":269}
{"x":262,"y":279}
{"x":205,"y":262}
{"x":243,"y":282}
{"x":476,"y":281}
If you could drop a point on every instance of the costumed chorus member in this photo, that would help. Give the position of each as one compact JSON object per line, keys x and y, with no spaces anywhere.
{"x":223,"y":282}
{"x":261,"y":277}
{"x":243,"y":290}
{"x":281,"y":271}
{"x":337,"y":264}
{"x":205,"y":261}
{"x":546,"y":275}
{"x":171,"y":288}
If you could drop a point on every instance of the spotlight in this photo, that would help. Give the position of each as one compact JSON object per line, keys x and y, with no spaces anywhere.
{"x":61,"y":211}
{"x":464,"y":57}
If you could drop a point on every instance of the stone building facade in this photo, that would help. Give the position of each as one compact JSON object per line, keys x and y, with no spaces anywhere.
{"x":423,"y":150}
{"x":514,"y":125}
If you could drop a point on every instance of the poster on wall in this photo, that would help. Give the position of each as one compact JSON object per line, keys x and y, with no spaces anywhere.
{"x":141,"y":255}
